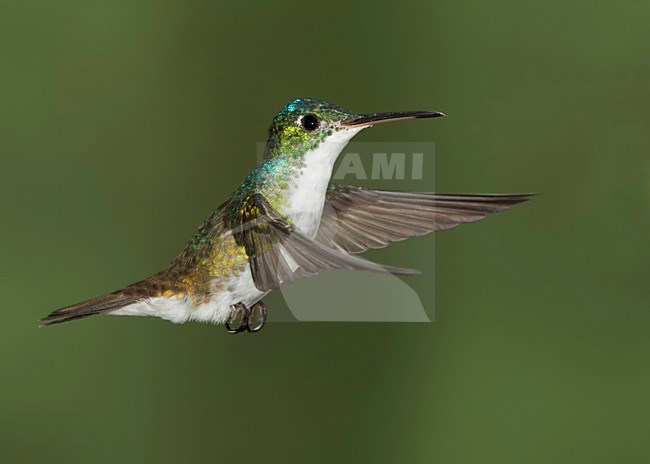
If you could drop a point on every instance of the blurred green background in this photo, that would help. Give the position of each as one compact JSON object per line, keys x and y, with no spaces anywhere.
{"x":124,"y":123}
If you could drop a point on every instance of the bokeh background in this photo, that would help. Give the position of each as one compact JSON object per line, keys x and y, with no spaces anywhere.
{"x":124,"y":123}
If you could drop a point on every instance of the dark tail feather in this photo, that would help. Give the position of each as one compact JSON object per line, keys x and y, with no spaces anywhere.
{"x":102,"y":304}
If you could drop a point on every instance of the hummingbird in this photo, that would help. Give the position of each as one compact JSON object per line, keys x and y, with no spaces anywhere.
{"x":285,"y":221}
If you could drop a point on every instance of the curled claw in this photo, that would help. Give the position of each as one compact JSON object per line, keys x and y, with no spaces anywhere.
{"x":259,"y":311}
{"x":238,"y":311}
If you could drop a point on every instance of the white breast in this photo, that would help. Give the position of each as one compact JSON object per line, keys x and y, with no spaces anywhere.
{"x":307,"y":191}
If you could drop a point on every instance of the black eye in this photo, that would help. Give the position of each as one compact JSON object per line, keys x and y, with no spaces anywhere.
{"x":309,"y":122}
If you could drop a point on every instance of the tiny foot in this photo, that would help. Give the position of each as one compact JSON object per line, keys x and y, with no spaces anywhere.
{"x":256,"y":317}
{"x":241,"y":313}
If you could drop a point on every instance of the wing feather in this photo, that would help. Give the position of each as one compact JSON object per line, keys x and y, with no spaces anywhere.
{"x":355,"y":219}
{"x":278,"y":253}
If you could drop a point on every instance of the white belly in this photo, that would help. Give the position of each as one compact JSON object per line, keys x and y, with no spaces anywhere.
{"x":215,"y":310}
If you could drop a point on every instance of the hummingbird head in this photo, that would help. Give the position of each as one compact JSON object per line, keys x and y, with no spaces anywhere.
{"x":308,"y":125}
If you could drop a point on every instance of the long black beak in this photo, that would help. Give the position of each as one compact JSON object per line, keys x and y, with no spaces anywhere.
{"x":377,"y":118}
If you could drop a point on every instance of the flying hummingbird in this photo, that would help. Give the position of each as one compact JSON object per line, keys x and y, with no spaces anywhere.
{"x":285,"y":221}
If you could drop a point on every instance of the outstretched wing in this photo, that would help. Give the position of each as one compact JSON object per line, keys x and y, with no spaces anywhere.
{"x":355,"y":219}
{"x":278,"y":253}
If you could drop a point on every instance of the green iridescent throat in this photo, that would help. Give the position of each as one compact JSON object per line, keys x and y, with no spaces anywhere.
{"x":287,"y":144}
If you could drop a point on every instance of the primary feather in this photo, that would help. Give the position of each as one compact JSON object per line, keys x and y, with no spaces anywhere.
{"x":356,"y":219}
